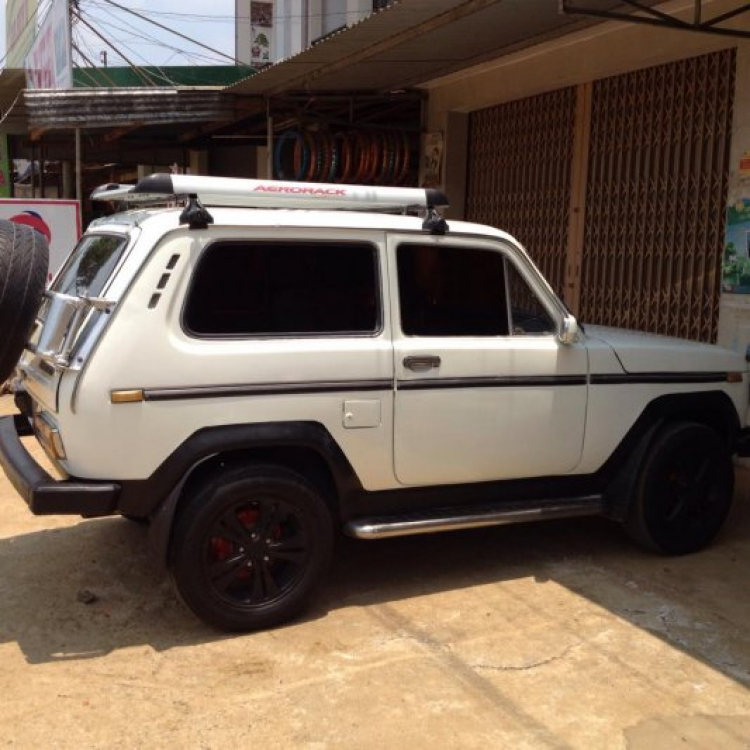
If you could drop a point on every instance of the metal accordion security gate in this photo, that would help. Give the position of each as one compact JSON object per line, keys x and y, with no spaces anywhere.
{"x":520,"y":157}
{"x":617,"y":188}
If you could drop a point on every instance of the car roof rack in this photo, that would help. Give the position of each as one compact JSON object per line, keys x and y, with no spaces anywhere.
{"x":231,"y":191}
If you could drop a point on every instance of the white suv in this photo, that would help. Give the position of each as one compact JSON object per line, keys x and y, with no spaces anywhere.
{"x":258,"y":367}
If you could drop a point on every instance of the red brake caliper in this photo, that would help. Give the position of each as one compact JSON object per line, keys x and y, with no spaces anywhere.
{"x":222,"y":549}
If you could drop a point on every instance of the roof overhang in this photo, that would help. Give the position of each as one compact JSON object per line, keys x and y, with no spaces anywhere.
{"x":137,"y":107}
{"x":701,"y":20}
{"x":12,"y":83}
{"x":414,"y":41}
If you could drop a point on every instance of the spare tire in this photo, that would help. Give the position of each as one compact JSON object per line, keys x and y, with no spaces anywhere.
{"x":24,"y":261}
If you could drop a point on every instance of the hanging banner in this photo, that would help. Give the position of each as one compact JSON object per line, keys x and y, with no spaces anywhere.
{"x":49,"y":63}
{"x":20,"y":29}
{"x":432,"y":159}
{"x":736,"y":267}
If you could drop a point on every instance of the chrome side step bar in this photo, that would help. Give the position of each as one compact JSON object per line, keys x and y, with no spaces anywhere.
{"x":472,"y":517}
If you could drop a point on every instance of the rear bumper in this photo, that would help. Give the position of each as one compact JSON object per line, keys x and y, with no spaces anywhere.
{"x":44,"y":494}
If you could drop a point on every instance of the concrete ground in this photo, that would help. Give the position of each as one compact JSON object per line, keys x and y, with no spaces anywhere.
{"x":560,"y":634}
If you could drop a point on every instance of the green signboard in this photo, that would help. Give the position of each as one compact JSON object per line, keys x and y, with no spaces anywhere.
{"x":6,"y":177}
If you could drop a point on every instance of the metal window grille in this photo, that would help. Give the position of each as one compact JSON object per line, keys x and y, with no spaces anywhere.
{"x":656,"y":195}
{"x":657,"y":151}
{"x":519,"y":174}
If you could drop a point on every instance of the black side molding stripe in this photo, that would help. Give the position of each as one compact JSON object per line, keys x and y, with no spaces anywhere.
{"x":348,"y":386}
{"x":265,"y":389}
{"x":528,"y":381}
{"x":659,"y":377}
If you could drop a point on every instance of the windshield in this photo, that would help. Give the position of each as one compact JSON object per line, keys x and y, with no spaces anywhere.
{"x":90,"y":265}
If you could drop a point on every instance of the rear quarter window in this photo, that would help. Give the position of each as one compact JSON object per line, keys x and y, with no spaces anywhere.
{"x":90,"y":265}
{"x":242,"y":289}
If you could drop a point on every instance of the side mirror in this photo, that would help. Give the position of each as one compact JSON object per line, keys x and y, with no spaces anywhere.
{"x":569,"y":330}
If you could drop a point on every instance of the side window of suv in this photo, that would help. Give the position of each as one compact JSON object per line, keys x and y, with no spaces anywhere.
{"x":244,"y":288}
{"x":451,"y":291}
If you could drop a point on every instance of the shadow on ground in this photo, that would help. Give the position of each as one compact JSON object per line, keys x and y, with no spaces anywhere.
{"x":697,"y":603}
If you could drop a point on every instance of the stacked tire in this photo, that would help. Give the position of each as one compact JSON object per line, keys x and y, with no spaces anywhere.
{"x":376,"y":157}
{"x":24,"y":261}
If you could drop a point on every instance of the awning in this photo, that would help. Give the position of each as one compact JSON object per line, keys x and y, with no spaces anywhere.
{"x":12,"y":83}
{"x":107,"y":108}
{"x":414,"y":41}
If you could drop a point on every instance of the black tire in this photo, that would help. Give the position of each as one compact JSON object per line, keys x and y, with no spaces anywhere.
{"x":250,"y":546}
{"x":684,"y":491}
{"x":24,"y":260}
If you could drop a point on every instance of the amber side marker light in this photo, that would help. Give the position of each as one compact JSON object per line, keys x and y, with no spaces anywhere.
{"x":127,"y":397}
{"x":734,"y":377}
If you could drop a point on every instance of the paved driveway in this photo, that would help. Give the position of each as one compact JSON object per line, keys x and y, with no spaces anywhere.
{"x":559,"y":634}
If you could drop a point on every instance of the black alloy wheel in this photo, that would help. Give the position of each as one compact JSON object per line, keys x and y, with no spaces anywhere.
{"x":250,"y":547}
{"x":685,"y":489}
{"x":257,"y":550}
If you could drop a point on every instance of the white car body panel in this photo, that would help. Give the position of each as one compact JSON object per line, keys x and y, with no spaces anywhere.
{"x":465,"y":434}
{"x":647,"y":352}
{"x":147,"y":348}
{"x":479,"y":433}
{"x":420,"y":437}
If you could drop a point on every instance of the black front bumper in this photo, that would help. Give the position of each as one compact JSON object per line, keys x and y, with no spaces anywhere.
{"x":44,"y":494}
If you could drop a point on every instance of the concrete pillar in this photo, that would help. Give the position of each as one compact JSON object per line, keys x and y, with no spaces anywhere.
{"x":263,"y":168}
{"x":68,"y":185}
{"x":455,"y":161}
{"x":198,"y":161}
{"x":79,"y":166}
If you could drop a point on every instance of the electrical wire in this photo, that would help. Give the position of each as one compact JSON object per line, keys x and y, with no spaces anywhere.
{"x":90,"y":75}
{"x":81,"y":41}
{"x":230,"y":19}
{"x":139,"y":36}
{"x":159,"y":72}
{"x":233,"y":60}
{"x":31,"y":20}
{"x":136,"y":35}
{"x":46,"y":5}
{"x":143,"y":75}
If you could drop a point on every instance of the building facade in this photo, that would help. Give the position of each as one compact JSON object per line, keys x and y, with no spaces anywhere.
{"x":620,"y":156}
{"x":269,"y":31}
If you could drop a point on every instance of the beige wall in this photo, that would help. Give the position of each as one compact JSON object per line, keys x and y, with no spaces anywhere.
{"x":604,"y":50}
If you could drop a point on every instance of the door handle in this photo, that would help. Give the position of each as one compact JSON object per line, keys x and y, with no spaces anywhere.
{"x":422,"y":363}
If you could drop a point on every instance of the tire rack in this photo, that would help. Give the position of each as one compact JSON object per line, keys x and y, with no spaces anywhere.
{"x":376,"y":157}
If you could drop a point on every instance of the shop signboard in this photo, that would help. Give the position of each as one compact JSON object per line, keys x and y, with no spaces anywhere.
{"x":255,"y":32}
{"x":736,"y":265}
{"x":261,"y":33}
{"x":48,"y":64}
{"x":736,"y":271}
